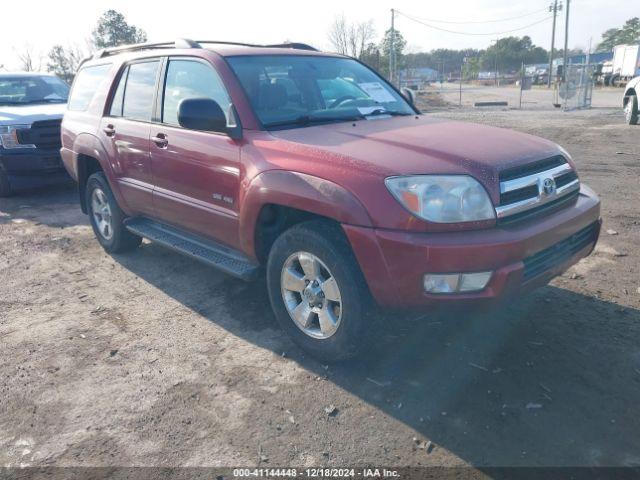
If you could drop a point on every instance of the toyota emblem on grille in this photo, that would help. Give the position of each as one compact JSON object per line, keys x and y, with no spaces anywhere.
{"x":548,"y":186}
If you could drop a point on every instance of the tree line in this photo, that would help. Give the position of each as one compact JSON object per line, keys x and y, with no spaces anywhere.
{"x":111,"y":30}
{"x":505,"y":55}
{"x":356,"y":39}
{"x":629,"y":33}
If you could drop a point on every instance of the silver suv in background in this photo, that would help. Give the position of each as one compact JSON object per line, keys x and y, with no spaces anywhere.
{"x":31,"y":110}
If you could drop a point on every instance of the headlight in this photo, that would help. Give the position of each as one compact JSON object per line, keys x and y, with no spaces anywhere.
{"x":564,"y":153}
{"x":9,"y":136}
{"x":442,"y":198}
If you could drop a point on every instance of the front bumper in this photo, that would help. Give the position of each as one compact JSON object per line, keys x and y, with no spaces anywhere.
{"x":394,"y":262}
{"x":33,"y":166}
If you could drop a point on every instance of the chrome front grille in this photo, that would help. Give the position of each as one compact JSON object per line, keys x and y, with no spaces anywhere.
{"x":536,"y":187}
{"x":43,"y":134}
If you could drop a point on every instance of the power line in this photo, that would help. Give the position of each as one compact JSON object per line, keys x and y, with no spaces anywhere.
{"x":470,"y":33}
{"x":484,"y":21}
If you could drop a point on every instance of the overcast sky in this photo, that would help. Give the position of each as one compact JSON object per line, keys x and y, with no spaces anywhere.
{"x":42,"y":23}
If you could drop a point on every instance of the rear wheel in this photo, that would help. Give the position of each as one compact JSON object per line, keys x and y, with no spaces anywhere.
{"x":631,"y":110}
{"x":318,"y":293}
{"x":614,"y":81}
{"x":5,"y":187}
{"x":107,"y":218}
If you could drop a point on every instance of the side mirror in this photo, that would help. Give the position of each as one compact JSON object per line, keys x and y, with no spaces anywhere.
{"x":409,"y":95}
{"x":206,"y":115}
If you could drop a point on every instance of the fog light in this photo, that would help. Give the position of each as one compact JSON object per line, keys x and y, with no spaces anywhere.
{"x":456,"y":282}
{"x":447,"y":283}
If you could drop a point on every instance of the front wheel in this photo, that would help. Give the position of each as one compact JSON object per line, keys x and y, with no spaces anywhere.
{"x":318,"y":293}
{"x":107,"y":218}
{"x":631,"y":110}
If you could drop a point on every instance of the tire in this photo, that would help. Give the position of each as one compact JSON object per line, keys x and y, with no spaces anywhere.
{"x":353,"y":324}
{"x":108,"y":223}
{"x":5,"y":187}
{"x":631,"y":110}
{"x":614,"y":81}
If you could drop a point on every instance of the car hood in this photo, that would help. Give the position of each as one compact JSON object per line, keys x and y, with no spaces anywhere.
{"x":27,"y":114}
{"x":420,"y":145}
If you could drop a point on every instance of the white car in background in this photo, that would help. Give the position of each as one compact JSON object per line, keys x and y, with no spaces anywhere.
{"x":630,"y":101}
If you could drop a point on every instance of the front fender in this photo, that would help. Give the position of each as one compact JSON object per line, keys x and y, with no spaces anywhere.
{"x":632,"y":86}
{"x":300,"y":191}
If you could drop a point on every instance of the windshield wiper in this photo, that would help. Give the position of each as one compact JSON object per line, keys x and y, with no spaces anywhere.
{"x":45,"y":100}
{"x":310,"y":119}
{"x":303,"y":120}
{"x":33,"y":102}
{"x":392,"y":113}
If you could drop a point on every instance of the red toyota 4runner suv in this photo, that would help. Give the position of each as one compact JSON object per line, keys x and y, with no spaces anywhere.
{"x":314,"y":168}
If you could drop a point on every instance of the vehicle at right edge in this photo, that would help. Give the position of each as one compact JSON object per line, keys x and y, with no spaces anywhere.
{"x":630,"y":101}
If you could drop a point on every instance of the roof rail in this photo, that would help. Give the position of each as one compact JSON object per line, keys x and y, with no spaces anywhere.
{"x":185,"y":43}
{"x":178,"y":43}
{"x":296,"y":45}
{"x":222,"y":42}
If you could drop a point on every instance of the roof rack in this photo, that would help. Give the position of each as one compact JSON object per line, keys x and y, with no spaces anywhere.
{"x":184,"y":43}
{"x":178,"y":43}
{"x":295,"y":45}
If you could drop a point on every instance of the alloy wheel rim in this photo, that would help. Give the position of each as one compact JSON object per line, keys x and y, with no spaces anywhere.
{"x":311,"y":295}
{"x":101,"y":211}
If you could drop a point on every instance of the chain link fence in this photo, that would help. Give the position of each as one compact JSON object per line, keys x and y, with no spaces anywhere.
{"x":576,"y":91}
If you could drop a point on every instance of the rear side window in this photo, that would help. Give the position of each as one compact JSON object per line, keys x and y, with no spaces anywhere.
{"x":86,"y":84}
{"x":139,"y":91}
{"x":191,"y":79}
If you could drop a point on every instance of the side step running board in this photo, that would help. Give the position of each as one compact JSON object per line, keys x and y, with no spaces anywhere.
{"x":214,"y":254}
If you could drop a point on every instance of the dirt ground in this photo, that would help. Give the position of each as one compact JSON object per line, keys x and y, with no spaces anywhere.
{"x":150,"y":358}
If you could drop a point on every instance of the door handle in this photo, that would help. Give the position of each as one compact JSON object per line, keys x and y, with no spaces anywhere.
{"x":109,"y":130}
{"x":160,"y":140}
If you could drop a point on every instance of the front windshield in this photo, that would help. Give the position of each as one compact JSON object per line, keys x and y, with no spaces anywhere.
{"x":290,"y":90}
{"x":27,"y":90}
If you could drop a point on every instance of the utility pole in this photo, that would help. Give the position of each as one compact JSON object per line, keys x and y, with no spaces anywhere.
{"x":392,"y":52}
{"x":521,"y":83}
{"x":566,"y":42}
{"x":460,"y":86}
{"x":555,"y":8}
{"x":495,"y":81}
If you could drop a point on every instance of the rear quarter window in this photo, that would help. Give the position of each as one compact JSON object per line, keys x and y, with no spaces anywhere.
{"x":140,"y":90}
{"x":87,"y":82}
